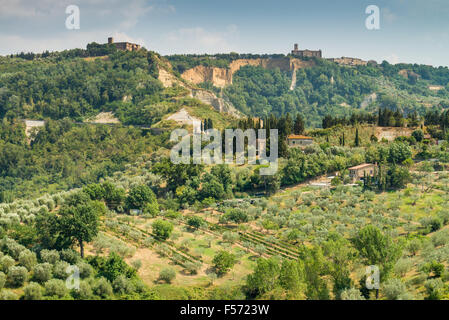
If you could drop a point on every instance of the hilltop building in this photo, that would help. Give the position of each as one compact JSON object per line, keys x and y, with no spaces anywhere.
{"x":125,"y":46}
{"x":295,"y":140}
{"x":305,"y":53}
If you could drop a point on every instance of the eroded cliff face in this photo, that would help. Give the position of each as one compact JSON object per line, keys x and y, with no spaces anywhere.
{"x":222,"y":77}
{"x":220,"y":104}
{"x":223,"y":105}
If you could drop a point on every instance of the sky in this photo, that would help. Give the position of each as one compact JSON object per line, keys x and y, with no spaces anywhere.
{"x":411,"y":31}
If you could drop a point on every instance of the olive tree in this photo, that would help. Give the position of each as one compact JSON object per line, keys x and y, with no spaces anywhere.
{"x":17,"y":276}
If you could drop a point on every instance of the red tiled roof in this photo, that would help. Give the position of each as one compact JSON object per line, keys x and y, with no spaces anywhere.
{"x":296,"y":136}
{"x":361,"y":166}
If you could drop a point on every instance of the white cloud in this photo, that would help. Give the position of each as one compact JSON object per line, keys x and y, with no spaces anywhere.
{"x":70,"y":40}
{"x":392,"y":58}
{"x":133,"y":11}
{"x":15,"y":44}
{"x":27,"y":8}
{"x":125,"y":14}
{"x":388,"y":15}
{"x":123,"y":37}
{"x":200,"y":40}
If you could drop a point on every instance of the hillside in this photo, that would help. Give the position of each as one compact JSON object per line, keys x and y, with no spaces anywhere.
{"x":258,"y":86}
{"x":97,"y":106}
{"x":92,"y":185}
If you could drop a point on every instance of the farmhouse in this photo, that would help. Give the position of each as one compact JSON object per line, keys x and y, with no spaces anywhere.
{"x":295,"y":140}
{"x":360,"y":171}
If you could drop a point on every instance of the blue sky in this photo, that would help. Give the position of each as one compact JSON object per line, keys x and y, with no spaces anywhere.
{"x":415,"y":31}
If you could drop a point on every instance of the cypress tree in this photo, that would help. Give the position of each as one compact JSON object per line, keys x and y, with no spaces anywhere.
{"x":357,"y":139}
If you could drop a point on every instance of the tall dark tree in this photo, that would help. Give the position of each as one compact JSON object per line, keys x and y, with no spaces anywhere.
{"x":357,"y":138}
{"x":298,"y":127}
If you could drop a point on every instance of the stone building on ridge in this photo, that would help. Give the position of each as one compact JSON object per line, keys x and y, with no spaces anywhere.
{"x":305,"y":53}
{"x":125,"y":46}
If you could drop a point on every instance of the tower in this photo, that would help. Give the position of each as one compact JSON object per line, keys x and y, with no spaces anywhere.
{"x":296,"y":47}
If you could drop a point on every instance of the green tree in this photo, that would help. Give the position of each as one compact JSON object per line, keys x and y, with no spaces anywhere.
{"x":139,"y":196}
{"x":111,"y":267}
{"x":167,"y":275}
{"x":195,"y":222}
{"x":341,"y":255}
{"x":418,"y":135}
{"x":399,"y":152}
{"x":32,"y":291}
{"x":377,"y":249}
{"x":357,"y":138}
{"x":223,"y":261}
{"x":162,"y":229}
{"x":77,"y":223}
{"x":264,"y":277}
{"x":298,"y":127}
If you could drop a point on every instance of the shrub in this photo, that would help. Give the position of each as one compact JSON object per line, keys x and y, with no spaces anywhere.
{"x":5,"y":263}
{"x":192,"y":267}
{"x":42,"y":272}
{"x":85,"y":269}
{"x":434,"y":289}
{"x":431,"y":224}
{"x":123,"y":285}
{"x":440,"y":238}
{"x":230,"y":236}
{"x":167,"y":275}
{"x":2,"y":280}
{"x":55,"y":288}
{"x":32,"y":291}
{"x":103,"y":288}
{"x":413,"y":246}
{"x":403,"y":266}
{"x":137,"y":264}
{"x":59,"y":270}
{"x":70,"y":256}
{"x":11,"y":247}
{"x":394,"y":289}
{"x":433,"y":267}
{"x":8,"y":295}
{"x":50,"y":256}
{"x":351,"y":294}
{"x":85,"y":291}
{"x":260,"y":249}
{"x":151,"y":209}
{"x":27,"y":259}
{"x":17,"y":276}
